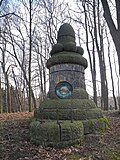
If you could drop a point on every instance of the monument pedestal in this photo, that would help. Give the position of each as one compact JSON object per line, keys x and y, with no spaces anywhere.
{"x":67,"y":114}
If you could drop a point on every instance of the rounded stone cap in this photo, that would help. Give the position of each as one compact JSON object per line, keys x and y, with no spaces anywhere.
{"x":66,"y":30}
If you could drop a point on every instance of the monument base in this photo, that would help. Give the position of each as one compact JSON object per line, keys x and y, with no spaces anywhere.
{"x":61,"y":123}
{"x":64,"y":133}
{"x":53,"y":134}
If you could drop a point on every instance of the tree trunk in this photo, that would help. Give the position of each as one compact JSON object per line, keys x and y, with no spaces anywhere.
{"x":98,"y":32}
{"x":113,"y":90}
{"x":92,"y":63}
{"x":30,"y":56}
{"x":8,"y":95}
{"x":115,"y":32}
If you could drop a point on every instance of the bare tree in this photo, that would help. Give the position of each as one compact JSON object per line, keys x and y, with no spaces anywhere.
{"x":114,"y":29}
{"x":98,"y":32}
{"x":30,"y":35}
{"x":94,"y":42}
{"x":5,"y":70}
{"x":112,"y":79}
{"x":118,"y":81}
{"x":89,"y":28}
{"x":30,"y":53}
{"x":1,"y":2}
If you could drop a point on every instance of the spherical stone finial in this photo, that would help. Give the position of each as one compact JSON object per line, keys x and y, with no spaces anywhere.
{"x":66,"y":30}
{"x":66,"y":34}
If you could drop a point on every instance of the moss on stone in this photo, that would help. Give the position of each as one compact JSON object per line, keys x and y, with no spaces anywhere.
{"x":65,"y":39}
{"x":68,"y":103}
{"x":80,"y":50}
{"x":52,"y":134}
{"x":66,"y":57}
{"x":71,"y":131}
{"x":64,"y":105}
{"x":103,"y":124}
{"x":70,"y":47}
{"x":66,"y":30}
{"x":95,"y":125}
{"x":67,"y":114}
{"x":83,"y":114}
{"x":56,"y":48}
{"x":88,"y":126}
{"x":77,"y":94}
{"x":44,"y":132}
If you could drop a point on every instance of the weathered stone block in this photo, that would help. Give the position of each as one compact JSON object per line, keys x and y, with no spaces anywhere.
{"x":95,"y":125}
{"x":44,"y":132}
{"x":59,"y":135}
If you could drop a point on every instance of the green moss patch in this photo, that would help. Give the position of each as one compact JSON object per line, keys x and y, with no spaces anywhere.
{"x":80,"y":50}
{"x":68,"y":103}
{"x":79,"y":109}
{"x":70,"y":47}
{"x":56,"y":135}
{"x":67,"y":114}
{"x":95,"y":125}
{"x":71,"y":131}
{"x":56,"y":48}
{"x":66,"y":57}
{"x":44,"y":132}
{"x":112,"y":154}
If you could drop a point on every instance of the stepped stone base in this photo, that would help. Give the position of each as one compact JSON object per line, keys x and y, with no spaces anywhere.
{"x":60,"y":123}
{"x":65,"y":133}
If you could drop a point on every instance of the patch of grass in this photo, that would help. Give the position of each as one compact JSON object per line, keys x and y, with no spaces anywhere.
{"x":112,"y":154}
{"x":73,"y":157}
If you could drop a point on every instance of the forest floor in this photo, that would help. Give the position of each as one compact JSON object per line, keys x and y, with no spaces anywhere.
{"x":15,"y":141}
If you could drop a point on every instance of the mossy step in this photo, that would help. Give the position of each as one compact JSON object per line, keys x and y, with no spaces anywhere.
{"x":67,"y":113}
{"x":68,"y":103}
{"x":56,"y":135}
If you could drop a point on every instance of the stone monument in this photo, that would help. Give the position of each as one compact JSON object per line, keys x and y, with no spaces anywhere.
{"x":67,"y":114}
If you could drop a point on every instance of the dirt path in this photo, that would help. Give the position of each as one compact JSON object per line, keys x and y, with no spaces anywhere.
{"x":15,"y":142}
